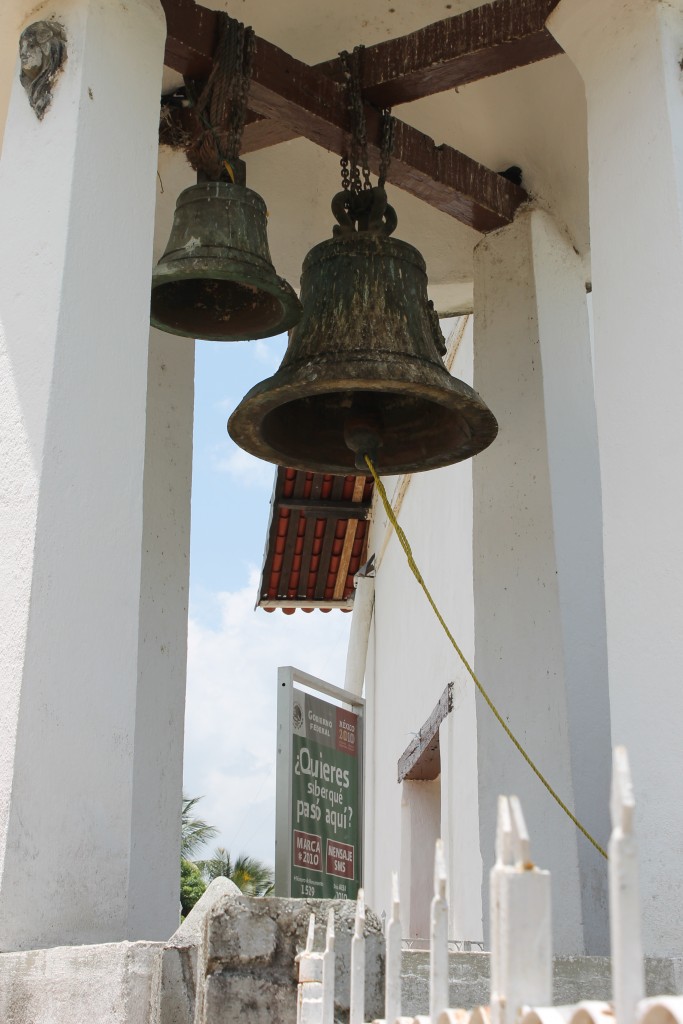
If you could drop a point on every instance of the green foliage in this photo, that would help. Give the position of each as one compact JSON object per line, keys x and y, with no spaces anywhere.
{"x":195,"y":831}
{"x":251,"y":876}
{"x":192,"y":885}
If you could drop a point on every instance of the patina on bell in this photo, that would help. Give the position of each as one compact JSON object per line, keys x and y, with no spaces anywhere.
{"x":363,"y":371}
{"x":216,"y":279}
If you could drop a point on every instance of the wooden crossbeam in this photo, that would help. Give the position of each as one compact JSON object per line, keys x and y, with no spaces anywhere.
{"x":421,"y":759}
{"x":485,"y":41}
{"x":309,"y":103}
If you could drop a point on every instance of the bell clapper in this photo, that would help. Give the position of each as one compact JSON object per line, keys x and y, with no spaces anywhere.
{"x":363,"y":434}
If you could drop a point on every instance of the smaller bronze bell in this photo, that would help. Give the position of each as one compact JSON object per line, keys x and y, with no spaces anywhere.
{"x":216,"y":279}
{"x":363,"y":372}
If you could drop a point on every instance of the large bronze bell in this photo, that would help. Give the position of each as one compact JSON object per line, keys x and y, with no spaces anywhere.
{"x":215,"y":279}
{"x":363,"y":370}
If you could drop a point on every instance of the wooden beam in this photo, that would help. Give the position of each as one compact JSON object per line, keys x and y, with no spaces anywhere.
{"x":349,"y":538}
{"x":322,"y":509}
{"x":485,"y":41}
{"x":287,"y":90}
{"x":313,"y":105}
{"x":191,"y":35}
{"x":422,"y":757}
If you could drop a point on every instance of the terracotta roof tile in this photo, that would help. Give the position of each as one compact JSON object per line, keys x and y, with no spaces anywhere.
{"x":316,"y":540}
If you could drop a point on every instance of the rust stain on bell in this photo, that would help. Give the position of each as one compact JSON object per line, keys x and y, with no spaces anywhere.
{"x":363,"y":371}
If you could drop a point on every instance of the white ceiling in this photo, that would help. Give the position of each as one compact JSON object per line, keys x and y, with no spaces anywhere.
{"x":533,"y":117}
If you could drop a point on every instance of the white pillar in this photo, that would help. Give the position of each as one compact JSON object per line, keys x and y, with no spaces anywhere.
{"x":359,"y":637}
{"x":539,"y":608}
{"x":635,"y":144}
{"x":162,"y":655}
{"x":76,"y":227}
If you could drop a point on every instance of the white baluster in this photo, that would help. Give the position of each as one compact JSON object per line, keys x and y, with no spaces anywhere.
{"x":503,"y":863}
{"x":521,"y":932}
{"x":394,"y":936}
{"x":357,"y":996}
{"x":662,"y":1010}
{"x":628,"y":982}
{"x":328,"y":971}
{"x":438,"y":938}
{"x":309,"y":1005}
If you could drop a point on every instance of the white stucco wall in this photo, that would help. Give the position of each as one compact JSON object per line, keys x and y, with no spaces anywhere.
{"x":81,"y":555}
{"x":410,"y":662}
{"x":635,"y":144}
{"x":538,"y":579}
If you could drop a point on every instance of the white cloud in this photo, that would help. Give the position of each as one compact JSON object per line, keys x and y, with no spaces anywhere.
{"x":267,"y":353}
{"x":230,"y":722}
{"x":226,"y":404}
{"x":244,"y":469}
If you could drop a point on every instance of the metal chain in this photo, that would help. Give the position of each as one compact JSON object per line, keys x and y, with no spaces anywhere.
{"x":357,"y":160}
{"x":388,"y":123}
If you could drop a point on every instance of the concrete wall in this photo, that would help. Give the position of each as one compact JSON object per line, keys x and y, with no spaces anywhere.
{"x":410,"y":662}
{"x":95,"y":444}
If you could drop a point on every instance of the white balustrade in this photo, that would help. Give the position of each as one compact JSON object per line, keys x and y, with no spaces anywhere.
{"x":521,"y":939}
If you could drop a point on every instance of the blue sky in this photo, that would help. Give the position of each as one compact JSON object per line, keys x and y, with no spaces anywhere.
{"x":234,"y":651}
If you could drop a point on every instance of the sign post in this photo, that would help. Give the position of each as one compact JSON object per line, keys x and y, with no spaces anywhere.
{"x":319,"y":788}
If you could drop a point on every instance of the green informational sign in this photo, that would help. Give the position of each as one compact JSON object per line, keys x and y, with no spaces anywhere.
{"x":319,"y":827}
{"x":325,"y":799}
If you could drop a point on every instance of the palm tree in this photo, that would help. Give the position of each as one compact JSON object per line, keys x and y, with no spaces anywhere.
{"x":251,"y":876}
{"x":195,"y":831}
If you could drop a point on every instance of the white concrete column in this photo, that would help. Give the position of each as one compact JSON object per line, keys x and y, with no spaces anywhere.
{"x":539,"y":606}
{"x":76,"y":227}
{"x":359,"y":637}
{"x":629,"y":55}
{"x":460,"y":813}
{"x":162,"y":655}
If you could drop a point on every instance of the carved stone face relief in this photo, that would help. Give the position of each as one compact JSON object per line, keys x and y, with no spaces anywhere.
{"x":42,"y":53}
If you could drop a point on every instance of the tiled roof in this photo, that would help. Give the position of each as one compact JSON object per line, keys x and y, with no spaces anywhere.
{"x":316,"y":540}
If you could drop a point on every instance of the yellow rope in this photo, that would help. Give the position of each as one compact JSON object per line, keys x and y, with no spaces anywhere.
{"x":418,"y":576}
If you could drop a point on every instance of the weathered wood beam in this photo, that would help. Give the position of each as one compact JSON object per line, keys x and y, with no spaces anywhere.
{"x":326,"y":510}
{"x":288,"y":91}
{"x":313,"y":105}
{"x":421,"y":759}
{"x":485,"y":41}
{"x":191,"y":36}
{"x":477,"y":44}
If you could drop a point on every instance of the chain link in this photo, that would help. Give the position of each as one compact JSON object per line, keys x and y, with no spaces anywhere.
{"x":357,"y":161}
{"x":387,"y":144}
{"x":355,"y":170}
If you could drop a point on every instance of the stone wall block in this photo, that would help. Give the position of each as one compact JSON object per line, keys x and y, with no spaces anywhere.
{"x":177,"y":982}
{"x":247,"y":966}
